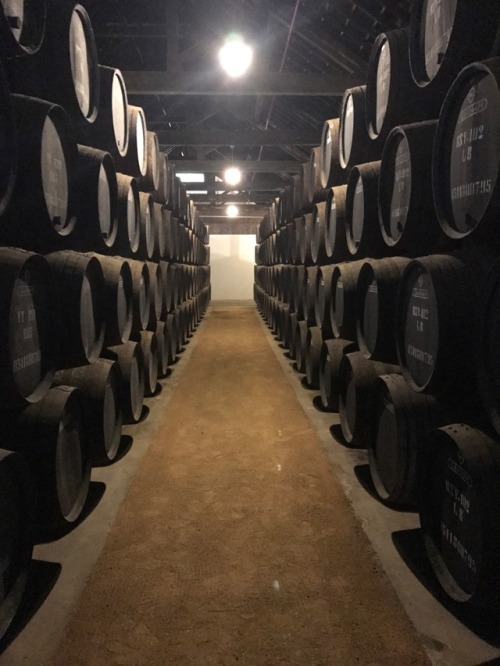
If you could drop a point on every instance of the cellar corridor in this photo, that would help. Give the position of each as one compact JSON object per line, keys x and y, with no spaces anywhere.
{"x":227,"y":533}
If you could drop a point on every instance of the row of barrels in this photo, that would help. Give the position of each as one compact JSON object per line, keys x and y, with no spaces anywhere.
{"x":88,"y":338}
{"x":426,"y":451}
{"x":81,"y":170}
{"x":435,"y":185}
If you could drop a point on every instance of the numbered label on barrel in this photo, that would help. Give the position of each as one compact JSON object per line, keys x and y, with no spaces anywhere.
{"x":54,"y":176}
{"x":24,"y":334}
{"x":370,"y":316}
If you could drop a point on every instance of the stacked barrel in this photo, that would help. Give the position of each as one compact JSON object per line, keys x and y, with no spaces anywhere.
{"x":104,"y":273}
{"x":386,"y":291}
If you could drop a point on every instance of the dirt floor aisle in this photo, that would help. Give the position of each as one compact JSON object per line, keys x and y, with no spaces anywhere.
{"x":236,"y":544}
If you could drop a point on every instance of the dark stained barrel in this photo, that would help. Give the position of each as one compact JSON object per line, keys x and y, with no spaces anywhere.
{"x":434,"y":321}
{"x":163,"y":348}
{"x":100,"y":384}
{"x":118,"y":292}
{"x":378,"y":282}
{"x":316,"y":189}
{"x":167,"y":287}
{"x":128,"y":234}
{"x":401,"y":421}
{"x":305,"y":239}
{"x":300,"y":345}
{"x":151,"y":180}
{"x":65,"y":69}
{"x":357,"y":376}
{"x":149,"y":348}
{"x":488,"y":352}
{"x":331,"y":172}
{"x":135,"y":161}
{"x":8,"y":144}
{"x":29,"y":345}
{"x":355,"y":146}
{"x":460,"y":486}
{"x":314,"y":340}
{"x":466,"y":160}
{"x":53,"y":437}
{"x":22,"y":27}
{"x":141,"y":295}
{"x":156,"y":293}
{"x":160,"y":232}
{"x":343,"y":304}
{"x":447,"y":35}
{"x":335,"y":234}
{"x":318,"y":240}
{"x":160,"y":195}
{"x":310,"y":295}
{"x":130,"y":360}
{"x":172,"y":338}
{"x":97,"y":226}
{"x":331,"y":354}
{"x":300,"y":285}
{"x":363,"y":233}
{"x":81,"y":293}
{"x":392,"y":97}
{"x":17,"y":506}
{"x":322,"y":301}
{"x":292,"y":326}
{"x":110,"y":131}
{"x":44,"y":204}
{"x":406,"y":206}
{"x":147,"y":240}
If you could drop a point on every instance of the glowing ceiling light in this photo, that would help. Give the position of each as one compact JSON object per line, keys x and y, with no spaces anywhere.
{"x":232,"y":211}
{"x":235,"y":57}
{"x":232,"y":176}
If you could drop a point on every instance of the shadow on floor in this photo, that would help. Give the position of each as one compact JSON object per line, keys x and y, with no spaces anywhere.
{"x":42,"y":576}
{"x":144,"y":415}
{"x":157,"y":391}
{"x":485,"y":623}
{"x":318,"y":404}
{"x":94,"y":496}
{"x":364,"y":477}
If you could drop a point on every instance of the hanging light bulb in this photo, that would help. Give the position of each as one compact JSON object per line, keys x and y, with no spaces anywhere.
{"x":232,"y":211}
{"x":235,"y":57}
{"x":232,"y":176}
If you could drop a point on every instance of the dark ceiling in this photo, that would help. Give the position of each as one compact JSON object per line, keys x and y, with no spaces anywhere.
{"x":306,"y":52}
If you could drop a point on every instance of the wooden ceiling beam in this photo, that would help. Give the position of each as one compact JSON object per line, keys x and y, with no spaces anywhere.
{"x":196,"y":136}
{"x":253,"y":166}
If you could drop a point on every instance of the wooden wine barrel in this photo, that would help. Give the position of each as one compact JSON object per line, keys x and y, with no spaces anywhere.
{"x":407,"y":215}
{"x":64,"y":70}
{"x":8,"y":144}
{"x":331,"y":354}
{"x":357,"y":376}
{"x":134,"y":163}
{"x":466,"y":161}
{"x":331,"y":172}
{"x":180,"y":325}
{"x":110,"y":130}
{"x":460,"y":487}
{"x":172,"y":338}
{"x":97,"y":226}
{"x":377,"y":286}
{"x":323,"y":297}
{"x":355,"y":146}
{"x":130,"y":360}
{"x":163,"y":348}
{"x":166,"y":288}
{"x":141,"y":295}
{"x":318,"y":233}
{"x":160,"y":233}
{"x":22,"y":27}
{"x":29,"y":343}
{"x":448,"y":35}
{"x":488,"y":358}
{"x":401,"y":421}
{"x":392,"y":97}
{"x":149,"y":346}
{"x":305,"y":239}
{"x":156,"y":293}
{"x":300,"y":286}
{"x":44,"y":204}
{"x":17,"y":507}
{"x":100,"y":384}
{"x":363,"y":233}
{"x":316,"y":189}
{"x":300,"y":345}
{"x":118,"y":294}
{"x":81,"y":294}
{"x":128,"y":234}
{"x":435,"y":309}
{"x":161,"y":194}
{"x":343,"y":303}
{"x":310,"y":295}
{"x":147,"y":240}
{"x":314,"y":340}
{"x":53,"y":437}
{"x":151,"y":179}
{"x":292,"y":326}
{"x":335,"y":233}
